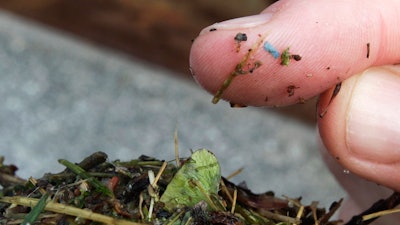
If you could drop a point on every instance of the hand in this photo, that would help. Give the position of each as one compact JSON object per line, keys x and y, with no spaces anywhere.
{"x":336,"y":40}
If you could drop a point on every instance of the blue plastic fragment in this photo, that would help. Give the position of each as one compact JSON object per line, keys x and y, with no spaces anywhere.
{"x":269,"y":48}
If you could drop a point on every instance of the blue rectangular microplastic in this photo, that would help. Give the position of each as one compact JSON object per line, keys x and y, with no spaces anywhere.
{"x":269,"y":48}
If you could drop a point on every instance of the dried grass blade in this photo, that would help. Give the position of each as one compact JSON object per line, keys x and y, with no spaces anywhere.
{"x":69,"y":210}
{"x":379,"y":214}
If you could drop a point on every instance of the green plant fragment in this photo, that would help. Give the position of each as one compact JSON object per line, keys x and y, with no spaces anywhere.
{"x":90,"y":179}
{"x":35,"y":212}
{"x":200,"y":175}
{"x":285,"y":57}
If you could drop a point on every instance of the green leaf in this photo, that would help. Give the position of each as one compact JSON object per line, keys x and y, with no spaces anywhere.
{"x":196,"y":180}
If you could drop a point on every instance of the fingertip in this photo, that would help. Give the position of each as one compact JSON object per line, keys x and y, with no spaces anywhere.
{"x":360,"y":128}
{"x":211,"y":59}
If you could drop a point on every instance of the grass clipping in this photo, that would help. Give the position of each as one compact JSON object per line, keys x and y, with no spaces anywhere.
{"x":146,"y":191}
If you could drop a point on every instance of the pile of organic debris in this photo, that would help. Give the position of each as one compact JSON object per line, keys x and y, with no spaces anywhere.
{"x":146,"y":191}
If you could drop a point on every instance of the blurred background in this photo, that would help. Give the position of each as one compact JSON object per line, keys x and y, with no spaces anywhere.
{"x":153,"y":30}
{"x":113,"y":76}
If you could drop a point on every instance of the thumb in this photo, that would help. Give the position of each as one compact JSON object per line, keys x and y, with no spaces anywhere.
{"x":334,"y":39}
{"x":361,"y":128}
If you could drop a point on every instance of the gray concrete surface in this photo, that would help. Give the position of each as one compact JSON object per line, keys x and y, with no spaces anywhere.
{"x":63,"y":98}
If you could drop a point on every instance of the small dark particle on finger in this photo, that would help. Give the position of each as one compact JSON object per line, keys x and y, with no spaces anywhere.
{"x":240,"y":37}
{"x":368,"y":49}
{"x":296,"y":57}
{"x":334,"y":94}
{"x":290,"y":90}
{"x":328,"y":68}
{"x":213,"y":29}
{"x":237,"y":105}
{"x":256,"y":65}
{"x":336,"y":90}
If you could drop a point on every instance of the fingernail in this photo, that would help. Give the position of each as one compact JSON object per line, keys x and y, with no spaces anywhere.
{"x":373,"y":124}
{"x":242,"y":22}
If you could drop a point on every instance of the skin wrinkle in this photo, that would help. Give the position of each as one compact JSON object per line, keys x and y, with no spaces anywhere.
{"x":371,"y":171}
{"x":354,"y":155}
{"x":347,"y":114}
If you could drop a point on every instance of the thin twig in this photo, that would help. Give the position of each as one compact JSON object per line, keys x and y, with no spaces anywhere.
{"x":379,"y":214}
{"x":177,"y":161}
{"x":236,"y":172}
{"x":381,"y":205}
{"x":234,"y":201}
{"x":164,"y":165}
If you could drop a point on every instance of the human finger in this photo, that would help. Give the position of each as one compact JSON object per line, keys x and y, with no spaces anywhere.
{"x":360,"y":127}
{"x":331,"y":40}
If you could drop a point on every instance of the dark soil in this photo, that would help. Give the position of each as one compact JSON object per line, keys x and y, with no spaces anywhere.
{"x":121,"y":191}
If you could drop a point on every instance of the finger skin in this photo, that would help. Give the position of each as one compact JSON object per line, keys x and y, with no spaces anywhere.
{"x":361,"y":128}
{"x":330,"y":36}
